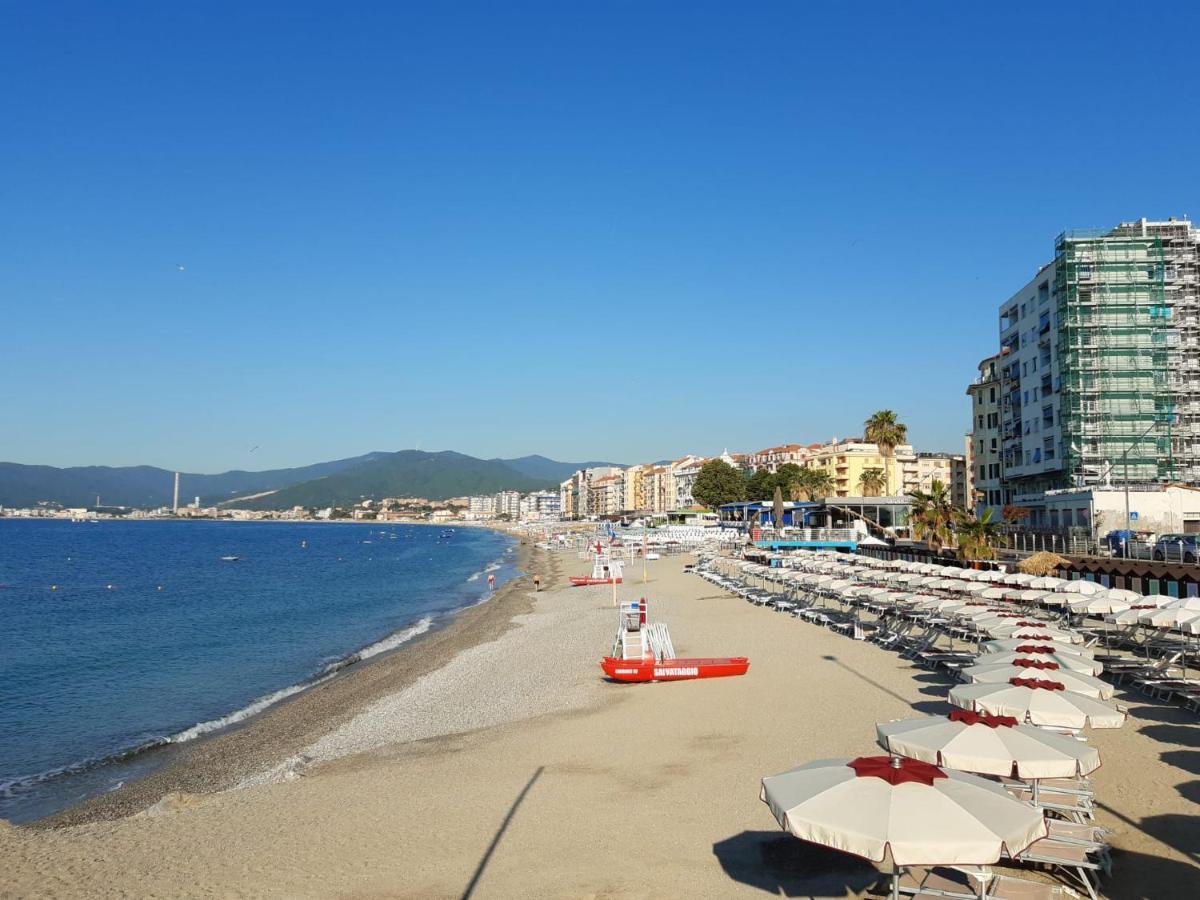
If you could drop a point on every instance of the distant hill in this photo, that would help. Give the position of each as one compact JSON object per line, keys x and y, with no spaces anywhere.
{"x":147,"y":486}
{"x":549,"y":469}
{"x":406,"y":473}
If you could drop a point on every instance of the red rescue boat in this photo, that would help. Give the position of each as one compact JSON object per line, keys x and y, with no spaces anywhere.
{"x":583,"y":581}
{"x":635,"y":670}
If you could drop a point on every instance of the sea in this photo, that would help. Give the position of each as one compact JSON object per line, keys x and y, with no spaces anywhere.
{"x":120,"y":640}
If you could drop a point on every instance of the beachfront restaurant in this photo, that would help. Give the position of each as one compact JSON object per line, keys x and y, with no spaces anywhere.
{"x":833,"y":512}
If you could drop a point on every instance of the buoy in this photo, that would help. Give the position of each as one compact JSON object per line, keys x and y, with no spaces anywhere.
{"x":160,"y":587}
{"x":54,"y":587}
{"x":109,"y":587}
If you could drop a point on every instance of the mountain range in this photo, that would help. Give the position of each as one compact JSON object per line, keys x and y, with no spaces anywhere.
{"x":404,"y":473}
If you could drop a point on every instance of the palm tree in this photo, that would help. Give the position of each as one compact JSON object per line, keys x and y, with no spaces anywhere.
{"x":933,"y":516}
{"x":808,"y":484}
{"x":871,"y":482}
{"x":885,"y":430}
{"x":976,"y":537}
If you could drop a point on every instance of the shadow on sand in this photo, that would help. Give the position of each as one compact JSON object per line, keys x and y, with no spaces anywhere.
{"x":783,"y":866}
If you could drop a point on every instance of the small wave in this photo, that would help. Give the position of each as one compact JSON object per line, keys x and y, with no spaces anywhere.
{"x":11,"y":787}
{"x":390,"y":642}
{"x":475,"y":577}
{"x":492,"y":567}
{"x":245,"y":712}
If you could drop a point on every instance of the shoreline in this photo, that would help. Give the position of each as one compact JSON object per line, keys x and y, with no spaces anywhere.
{"x":225,"y":757}
{"x":510,"y":768}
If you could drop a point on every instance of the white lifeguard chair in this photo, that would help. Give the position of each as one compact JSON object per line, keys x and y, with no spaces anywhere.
{"x":639,"y":639}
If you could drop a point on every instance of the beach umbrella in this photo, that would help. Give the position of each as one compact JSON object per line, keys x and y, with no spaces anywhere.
{"x":1033,"y":630}
{"x":1046,"y":653}
{"x":1172,"y":615}
{"x":1037,"y":670}
{"x":1048,"y":583}
{"x":1022,"y":578}
{"x":993,"y":593}
{"x":989,"y":745}
{"x":1082,"y":586}
{"x":1040,"y":705}
{"x":881,"y":807}
{"x":1099,"y":605}
{"x":971,"y":587}
{"x":1009,"y":644}
{"x":1129,"y":597}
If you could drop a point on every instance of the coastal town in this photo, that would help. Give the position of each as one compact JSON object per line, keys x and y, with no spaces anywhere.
{"x":1082,"y":437}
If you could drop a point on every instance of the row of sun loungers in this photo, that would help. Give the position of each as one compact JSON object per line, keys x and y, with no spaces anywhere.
{"x":1075,"y":847}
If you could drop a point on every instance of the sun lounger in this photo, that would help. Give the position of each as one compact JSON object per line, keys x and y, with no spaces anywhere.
{"x":1073,"y":859}
{"x":1162,"y":688}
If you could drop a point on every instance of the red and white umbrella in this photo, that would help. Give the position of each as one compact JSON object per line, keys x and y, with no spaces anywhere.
{"x":1041,"y":653}
{"x":1007,"y":644}
{"x":1031,"y":629}
{"x":1047,"y":703}
{"x":1038,"y":670}
{"x":989,"y":745}
{"x":881,"y":807}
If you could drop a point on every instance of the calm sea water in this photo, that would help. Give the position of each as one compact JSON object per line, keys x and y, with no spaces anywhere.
{"x":150,"y":638}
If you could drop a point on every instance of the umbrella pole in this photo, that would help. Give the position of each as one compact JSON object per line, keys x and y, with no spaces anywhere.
{"x":895,"y":882}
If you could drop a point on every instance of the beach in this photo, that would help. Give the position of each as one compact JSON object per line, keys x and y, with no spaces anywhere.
{"x":489,"y":759}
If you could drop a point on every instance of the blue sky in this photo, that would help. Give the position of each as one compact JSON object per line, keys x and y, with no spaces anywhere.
{"x":606,"y":230}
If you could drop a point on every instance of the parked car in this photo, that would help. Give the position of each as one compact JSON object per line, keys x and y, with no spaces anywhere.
{"x":1130,"y":544}
{"x":1177,"y":548}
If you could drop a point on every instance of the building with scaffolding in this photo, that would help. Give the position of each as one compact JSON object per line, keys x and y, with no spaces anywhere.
{"x":1099,"y":364}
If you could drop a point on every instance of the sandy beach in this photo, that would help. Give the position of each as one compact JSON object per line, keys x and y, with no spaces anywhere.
{"x":491,"y":760}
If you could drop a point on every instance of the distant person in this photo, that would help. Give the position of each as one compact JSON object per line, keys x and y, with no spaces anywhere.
{"x":537,"y":583}
{"x":491,"y":582}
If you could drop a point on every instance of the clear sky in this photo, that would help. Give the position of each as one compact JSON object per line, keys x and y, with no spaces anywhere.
{"x":607,"y":230}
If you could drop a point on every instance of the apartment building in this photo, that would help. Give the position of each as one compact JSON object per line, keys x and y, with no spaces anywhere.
{"x":847,"y":460}
{"x":772,"y":458}
{"x":983,"y":441}
{"x":1099,"y":364}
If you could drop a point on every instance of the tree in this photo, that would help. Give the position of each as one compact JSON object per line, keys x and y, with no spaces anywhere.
{"x":885,"y":430}
{"x":785,"y":475}
{"x":932,"y":516}
{"x":976,"y":537}
{"x":759,"y":485}
{"x":871,"y":482}
{"x":809,"y":484}
{"x":718,"y":483}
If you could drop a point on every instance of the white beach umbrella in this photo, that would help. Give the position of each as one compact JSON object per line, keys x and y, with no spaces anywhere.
{"x":1048,"y":583}
{"x":989,"y":745}
{"x":1063,"y":660}
{"x":1175,"y":618}
{"x":1129,"y":597}
{"x":1017,"y":578}
{"x":1009,"y":644}
{"x":972,"y":587}
{"x":1099,"y":605}
{"x":1032,"y":671}
{"x":1082,"y":586}
{"x":917,"y":814}
{"x":1037,"y":706}
{"x":993,"y":593}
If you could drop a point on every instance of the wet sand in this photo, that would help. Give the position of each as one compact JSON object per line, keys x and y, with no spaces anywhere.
{"x":615,"y":791}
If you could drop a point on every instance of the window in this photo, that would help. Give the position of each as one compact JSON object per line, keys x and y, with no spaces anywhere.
{"x":992,"y":395}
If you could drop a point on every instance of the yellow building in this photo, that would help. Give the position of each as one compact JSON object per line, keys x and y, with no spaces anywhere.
{"x":845,"y":461}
